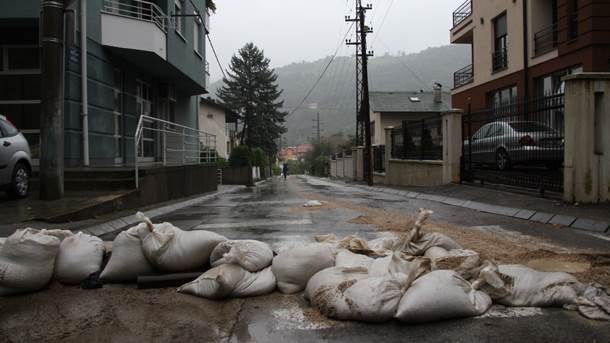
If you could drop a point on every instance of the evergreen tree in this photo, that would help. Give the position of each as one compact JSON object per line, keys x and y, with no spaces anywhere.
{"x":251,"y":91}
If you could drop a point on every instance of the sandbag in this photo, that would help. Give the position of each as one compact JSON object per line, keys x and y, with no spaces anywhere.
{"x":429,"y":240}
{"x":176,"y":251}
{"x":230,"y":280}
{"x":79,"y":256}
{"x":453,"y":259}
{"x":348,"y":259}
{"x":250,"y":254}
{"x":2,"y":240}
{"x":371,"y":299}
{"x":403,"y":269}
{"x":439,"y":295}
{"x":60,"y":234}
{"x":539,"y":289}
{"x":332,"y":277}
{"x":127,"y":260}
{"x":293,"y":268}
{"x":383,"y":244}
{"x":27,"y":259}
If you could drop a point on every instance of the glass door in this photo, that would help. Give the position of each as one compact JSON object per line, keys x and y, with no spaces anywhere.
{"x":144,"y":101}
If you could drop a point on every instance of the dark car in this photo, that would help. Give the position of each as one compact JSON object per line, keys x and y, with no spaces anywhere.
{"x":506,"y":144}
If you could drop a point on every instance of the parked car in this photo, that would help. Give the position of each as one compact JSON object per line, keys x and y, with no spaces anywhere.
{"x":505,"y":144}
{"x":15,"y":160}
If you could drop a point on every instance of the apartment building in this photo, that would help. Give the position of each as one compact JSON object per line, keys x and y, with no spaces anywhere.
{"x":141,"y":58}
{"x":521,"y":49}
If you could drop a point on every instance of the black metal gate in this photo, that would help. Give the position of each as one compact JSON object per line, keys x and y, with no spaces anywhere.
{"x":518,"y":144}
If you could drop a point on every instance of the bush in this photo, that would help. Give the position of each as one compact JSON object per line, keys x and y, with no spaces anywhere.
{"x":241,"y":156}
{"x":277,"y":170}
{"x":259,"y":159}
{"x":320,"y":166}
{"x":222,"y":162}
{"x":295,"y":168}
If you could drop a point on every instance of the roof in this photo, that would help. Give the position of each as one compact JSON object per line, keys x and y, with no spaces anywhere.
{"x":403,"y":102}
{"x":231,"y":116}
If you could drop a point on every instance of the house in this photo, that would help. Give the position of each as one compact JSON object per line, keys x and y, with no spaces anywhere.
{"x":521,"y":49}
{"x":288,"y":154}
{"x":139,"y":60}
{"x":217,"y":119}
{"x":303,"y":149}
{"x":392,"y":108}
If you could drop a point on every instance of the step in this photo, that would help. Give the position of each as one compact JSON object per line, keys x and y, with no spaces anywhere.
{"x":111,"y":184}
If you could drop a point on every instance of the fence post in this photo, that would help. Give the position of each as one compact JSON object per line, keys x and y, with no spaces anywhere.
{"x":405,"y":134}
{"x":421,"y":141}
{"x":452,"y":145}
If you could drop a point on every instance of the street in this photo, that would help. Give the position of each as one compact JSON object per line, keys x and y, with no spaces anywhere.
{"x":272,"y":212}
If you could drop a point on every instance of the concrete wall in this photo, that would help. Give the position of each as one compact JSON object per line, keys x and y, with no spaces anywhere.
{"x":333,"y":168}
{"x":212,"y":120}
{"x":587,"y":142}
{"x":342,"y":168}
{"x":414,"y":173}
{"x":237,"y":176}
{"x":163,"y":184}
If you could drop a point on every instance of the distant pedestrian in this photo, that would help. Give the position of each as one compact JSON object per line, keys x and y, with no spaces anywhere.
{"x":285,"y":170}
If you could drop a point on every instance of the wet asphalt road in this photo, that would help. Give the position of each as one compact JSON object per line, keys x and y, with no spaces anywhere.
{"x":270,"y":213}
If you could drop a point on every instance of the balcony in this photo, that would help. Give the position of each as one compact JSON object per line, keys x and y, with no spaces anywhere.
{"x":463,"y":26}
{"x":463,"y":77}
{"x":499,"y":60}
{"x":134,"y":25}
{"x":462,"y":13}
{"x":545,"y":40}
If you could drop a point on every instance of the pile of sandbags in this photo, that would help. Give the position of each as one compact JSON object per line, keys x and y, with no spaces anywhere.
{"x":293,"y":268}
{"x":127,"y":260}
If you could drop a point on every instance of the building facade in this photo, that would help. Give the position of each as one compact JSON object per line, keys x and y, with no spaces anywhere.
{"x":218,"y":120}
{"x":143,"y":58}
{"x":521,"y":49}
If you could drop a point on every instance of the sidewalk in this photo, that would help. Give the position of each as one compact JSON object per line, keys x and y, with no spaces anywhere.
{"x":22,"y":213}
{"x":593,"y":218}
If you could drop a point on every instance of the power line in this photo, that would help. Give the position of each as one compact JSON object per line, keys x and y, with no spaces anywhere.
{"x":425,"y":85}
{"x":215,"y":55}
{"x":385,"y":16}
{"x":322,"y":74}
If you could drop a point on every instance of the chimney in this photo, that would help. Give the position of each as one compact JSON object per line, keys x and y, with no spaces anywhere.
{"x":438,"y":92}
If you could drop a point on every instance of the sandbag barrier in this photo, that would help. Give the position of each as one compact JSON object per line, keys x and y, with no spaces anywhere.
{"x":411,"y":276}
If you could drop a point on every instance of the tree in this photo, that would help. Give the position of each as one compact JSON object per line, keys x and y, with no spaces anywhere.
{"x":251,"y":91}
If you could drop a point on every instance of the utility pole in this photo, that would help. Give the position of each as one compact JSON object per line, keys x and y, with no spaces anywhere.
{"x":52,"y":100}
{"x":363,"y":126}
{"x":317,"y":128}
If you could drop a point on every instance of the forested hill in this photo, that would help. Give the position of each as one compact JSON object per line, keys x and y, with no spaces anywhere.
{"x":335,"y":94}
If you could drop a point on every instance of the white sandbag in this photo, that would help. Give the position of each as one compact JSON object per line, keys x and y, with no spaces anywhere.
{"x":250,"y":254}
{"x":79,"y":256}
{"x":385,"y":243}
{"x":454,"y":259}
{"x":429,"y":240}
{"x":293,"y":268}
{"x":332,"y":277}
{"x":2,"y":240}
{"x":127,"y":260}
{"x":348,"y":259}
{"x":404,"y":270}
{"x":372,"y":299}
{"x":230,"y":280}
{"x":539,"y":289}
{"x":173,"y":250}
{"x":60,"y":234}
{"x":439,"y":295}
{"x":27,"y":259}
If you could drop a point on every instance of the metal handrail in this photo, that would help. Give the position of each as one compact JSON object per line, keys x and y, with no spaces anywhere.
{"x":463,"y":76}
{"x":462,"y":13}
{"x":545,"y":40}
{"x":137,"y":9}
{"x":200,"y":149}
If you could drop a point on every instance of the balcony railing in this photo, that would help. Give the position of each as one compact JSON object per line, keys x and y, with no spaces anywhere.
{"x":137,"y":9}
{"x":545,"y":40}
{"x":462,"y":13}
{"x":499,"y":59}
{"x":463,"y":76}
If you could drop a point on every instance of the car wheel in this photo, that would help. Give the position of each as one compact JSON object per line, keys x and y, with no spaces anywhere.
{"x":502,"y":160}
{"x":20,"y":184}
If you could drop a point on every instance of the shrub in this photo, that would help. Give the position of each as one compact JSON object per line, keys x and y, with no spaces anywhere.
{"x":241,"y":156}
{"x":259,"y":159}
{"x":277,"y":170}
{"x":222,"y":162}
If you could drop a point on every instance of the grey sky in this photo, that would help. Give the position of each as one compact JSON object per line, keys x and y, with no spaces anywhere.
{"x":305,"y":30}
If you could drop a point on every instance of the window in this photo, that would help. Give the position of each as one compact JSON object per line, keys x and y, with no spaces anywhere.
{"x":573,"y":19}
{"x":552,"y":84}
{"x":500,"y":54}
{"x":118,"y":115}
{"x":502,"y":97}
{"x":7,"y":129}
{"x":198,"y":36}
{"x":179,"y":18}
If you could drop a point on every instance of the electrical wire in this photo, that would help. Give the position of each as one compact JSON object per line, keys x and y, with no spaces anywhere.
{"x":385,"y":16}
{"x":425,"y":85}
{"x":323,"y":72}
{"x":217,"y":59}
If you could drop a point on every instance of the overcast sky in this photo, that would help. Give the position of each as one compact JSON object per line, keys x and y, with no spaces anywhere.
{"x":305,"y":30}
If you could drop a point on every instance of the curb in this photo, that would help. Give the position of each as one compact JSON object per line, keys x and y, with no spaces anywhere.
{"x":576,"y":223}
{"x":125,"y":222}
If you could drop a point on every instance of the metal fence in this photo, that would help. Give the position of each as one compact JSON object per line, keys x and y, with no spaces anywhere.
{"x":379,"y":158}
{"x":462,"y":13}
{"x":137,"y":9}
{"x":161,"y":142}
{"x":418,"y":140}
{"x":518,"y":144}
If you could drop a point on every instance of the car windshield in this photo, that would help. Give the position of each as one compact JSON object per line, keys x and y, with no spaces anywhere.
{"x":8,"y":130}
{"x":530,"y":126}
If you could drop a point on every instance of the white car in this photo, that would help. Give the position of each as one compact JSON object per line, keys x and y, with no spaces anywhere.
{"x":15,"y":160}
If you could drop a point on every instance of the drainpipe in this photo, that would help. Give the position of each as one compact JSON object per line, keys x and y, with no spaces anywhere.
{"x":84,"y":77}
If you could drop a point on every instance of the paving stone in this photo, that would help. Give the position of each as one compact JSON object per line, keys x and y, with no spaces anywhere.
{"x":524,"y":214}
{"x":474,"y":205}
{"x":542,"y":217}
{"x":562,"y":220}
{"x":99,"y":229}
{"x":412,"y":195}
{"x":117,"y":224}
{"x":500,"y":210}
{"x":131,"y":220}
{"x":590,"y":225}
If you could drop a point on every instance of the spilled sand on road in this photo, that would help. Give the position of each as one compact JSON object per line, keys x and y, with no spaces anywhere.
{"x":499,"y":245}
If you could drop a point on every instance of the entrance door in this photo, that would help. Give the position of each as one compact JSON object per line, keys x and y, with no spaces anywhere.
{"x":144,"y":101}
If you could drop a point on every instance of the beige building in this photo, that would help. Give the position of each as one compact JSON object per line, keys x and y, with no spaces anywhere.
{"x":392,"y":108}
{"x":217,"y":119}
